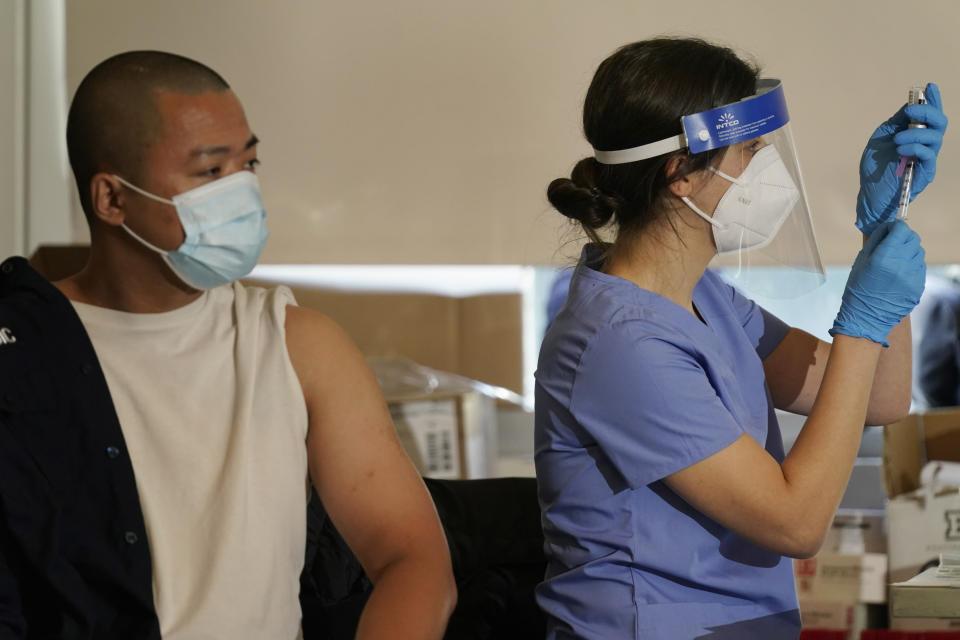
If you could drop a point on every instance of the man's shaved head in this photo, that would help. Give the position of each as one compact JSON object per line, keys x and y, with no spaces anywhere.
{"x":114,"y":118}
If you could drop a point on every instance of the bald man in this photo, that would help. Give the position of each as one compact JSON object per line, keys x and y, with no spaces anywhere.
{"x":160,"y":423}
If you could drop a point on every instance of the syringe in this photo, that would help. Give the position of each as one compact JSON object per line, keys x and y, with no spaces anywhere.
{"x":916,"y":96}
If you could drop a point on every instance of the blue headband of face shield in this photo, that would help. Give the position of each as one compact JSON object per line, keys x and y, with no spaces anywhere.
{"x":752,"y":117}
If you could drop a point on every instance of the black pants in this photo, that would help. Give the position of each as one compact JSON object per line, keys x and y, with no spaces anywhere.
{"x":496,"y":545}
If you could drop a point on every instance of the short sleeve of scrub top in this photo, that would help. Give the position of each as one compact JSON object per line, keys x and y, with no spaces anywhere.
{"x":764,"y":330}
{"x":630,"y":389}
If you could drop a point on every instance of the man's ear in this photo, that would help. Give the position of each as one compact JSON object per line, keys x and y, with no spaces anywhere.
{"x":680,"y":187}
{"x":108,"y":199}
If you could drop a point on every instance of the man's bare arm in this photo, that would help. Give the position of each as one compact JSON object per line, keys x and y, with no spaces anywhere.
{"x":372,"y":492}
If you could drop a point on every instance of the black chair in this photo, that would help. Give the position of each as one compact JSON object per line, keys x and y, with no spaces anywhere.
{"x":496,"y":545}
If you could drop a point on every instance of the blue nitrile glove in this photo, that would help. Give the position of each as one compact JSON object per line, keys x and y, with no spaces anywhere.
{"x":879,"y":184}
{"x":885,"y":283}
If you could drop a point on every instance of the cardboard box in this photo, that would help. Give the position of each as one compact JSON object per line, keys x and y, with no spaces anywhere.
{"x":448,"y":435}
{"x":921,"y":524}
{"x":849,"y":617}
{"x":842,"y":578}
{"x":852,"y":564}
{"x":479,"y":337}
{"x":856,"y":531}
{"x":928,"y":595}
{"x":844,"y":587}
{"x":927,"y":624}
{"x":819,"y":614}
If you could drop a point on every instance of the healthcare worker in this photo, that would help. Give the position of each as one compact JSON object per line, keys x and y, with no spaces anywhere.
{"x":668,"y":506}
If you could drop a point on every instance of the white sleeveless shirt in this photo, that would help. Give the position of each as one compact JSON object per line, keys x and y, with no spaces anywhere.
{"x":215,"y":423}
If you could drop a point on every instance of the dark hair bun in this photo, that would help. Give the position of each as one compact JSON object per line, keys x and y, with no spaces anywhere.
{"x":578,"y":197}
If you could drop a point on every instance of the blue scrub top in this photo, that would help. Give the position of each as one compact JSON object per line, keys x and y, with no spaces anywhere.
{"x":631,"y":388}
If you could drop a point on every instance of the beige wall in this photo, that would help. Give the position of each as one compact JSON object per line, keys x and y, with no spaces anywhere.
{"x":11,"y":233}
{"x":425,"y":131}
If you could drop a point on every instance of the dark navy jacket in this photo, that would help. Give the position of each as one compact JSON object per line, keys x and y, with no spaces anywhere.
{"x":74,"y":559}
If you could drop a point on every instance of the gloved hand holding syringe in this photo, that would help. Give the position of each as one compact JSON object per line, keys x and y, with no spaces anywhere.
{"x":885,"y":189}
{"x":905,"y":170}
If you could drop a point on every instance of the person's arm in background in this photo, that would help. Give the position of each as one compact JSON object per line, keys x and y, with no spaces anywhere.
{"x":938,"y":375}
{"x":795,"y":369}
{"x":372,"y":492}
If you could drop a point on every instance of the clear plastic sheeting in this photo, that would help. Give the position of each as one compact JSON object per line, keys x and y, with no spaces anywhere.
{"x":401,"y":377}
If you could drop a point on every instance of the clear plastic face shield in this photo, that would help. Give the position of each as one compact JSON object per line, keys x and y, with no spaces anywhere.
{"x":761,"y":223}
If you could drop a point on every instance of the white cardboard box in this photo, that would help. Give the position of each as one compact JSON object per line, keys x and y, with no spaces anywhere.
{"x":925,"y":602}
{"x":842,"y":578}
{"x":928,"y":595}
{"x":921,"y":524}
{"x":820,"y":614}
{"x":842,"y":588}
{"x":448,"y":435}
{"x":856,"y":531}
{"x":852,"y":564}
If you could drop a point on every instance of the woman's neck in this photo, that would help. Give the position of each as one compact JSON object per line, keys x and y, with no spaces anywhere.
{"x":666,"y":259}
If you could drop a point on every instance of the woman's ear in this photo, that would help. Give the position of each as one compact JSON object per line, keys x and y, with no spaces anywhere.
{"x":682,"y":186}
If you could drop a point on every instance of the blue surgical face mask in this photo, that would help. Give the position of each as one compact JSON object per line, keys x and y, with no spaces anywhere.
{"x":225,"y":226}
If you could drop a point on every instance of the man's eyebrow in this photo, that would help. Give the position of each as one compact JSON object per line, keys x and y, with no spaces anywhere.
{"x":212,"y":151}
{"x":209,"y":151}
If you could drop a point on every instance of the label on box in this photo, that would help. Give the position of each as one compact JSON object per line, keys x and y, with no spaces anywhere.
{"x":857,"y":531}
{"x":922,"y":526}
{"x":815,"y":614}
{"x":429,"y":431}
{"x":832,"y":577}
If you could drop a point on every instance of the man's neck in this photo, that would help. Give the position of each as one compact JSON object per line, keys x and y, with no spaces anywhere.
{"x":126,"y":276}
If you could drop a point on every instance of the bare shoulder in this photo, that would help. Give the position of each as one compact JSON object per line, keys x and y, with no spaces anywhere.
{"x":323,"y":354}
{"x":306,"y":327}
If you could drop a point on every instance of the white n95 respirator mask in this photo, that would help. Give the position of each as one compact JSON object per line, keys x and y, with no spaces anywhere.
{"x":225,"y":226}
{"x":755,"y":206}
